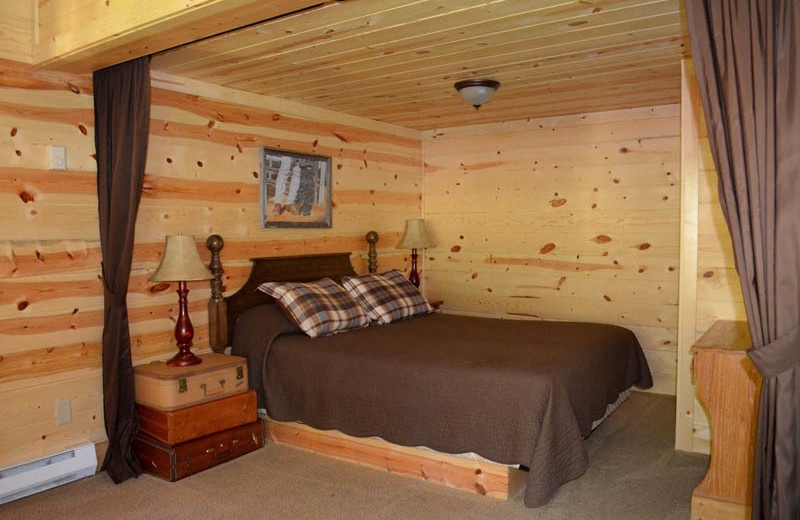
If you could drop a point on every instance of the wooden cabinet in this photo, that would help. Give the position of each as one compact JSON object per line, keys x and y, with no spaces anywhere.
{"x":728,"y":386}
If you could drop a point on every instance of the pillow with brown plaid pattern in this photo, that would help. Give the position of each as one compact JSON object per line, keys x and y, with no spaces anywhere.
{"x":319,"y":308}
{"x":387,"y":297}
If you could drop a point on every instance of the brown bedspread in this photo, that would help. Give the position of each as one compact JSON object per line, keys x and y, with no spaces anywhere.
{"x":516,"y":392}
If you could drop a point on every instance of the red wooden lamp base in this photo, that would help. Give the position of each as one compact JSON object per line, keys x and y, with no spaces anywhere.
{"x":413,"y":276}
{"x":184,"y":332}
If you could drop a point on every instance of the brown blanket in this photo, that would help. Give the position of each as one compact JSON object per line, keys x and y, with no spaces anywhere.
{"x":516,"y":392}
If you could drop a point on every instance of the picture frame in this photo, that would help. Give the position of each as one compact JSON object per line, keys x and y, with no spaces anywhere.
{"x":295,"y":189}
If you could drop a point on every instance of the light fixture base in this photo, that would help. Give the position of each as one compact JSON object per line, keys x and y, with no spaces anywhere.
{"x":476,"y":92}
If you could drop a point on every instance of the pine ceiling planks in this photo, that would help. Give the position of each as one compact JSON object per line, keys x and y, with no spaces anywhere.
{"x":397,"y":60}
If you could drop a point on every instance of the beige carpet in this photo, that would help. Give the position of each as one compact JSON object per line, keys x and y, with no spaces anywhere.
{"x":634,"y":473}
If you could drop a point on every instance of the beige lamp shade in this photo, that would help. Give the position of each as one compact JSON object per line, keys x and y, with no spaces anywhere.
{"x":181,"y":261}
{"x":415,"y":236}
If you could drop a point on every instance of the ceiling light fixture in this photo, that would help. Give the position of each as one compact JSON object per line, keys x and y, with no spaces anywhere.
{"x":476,"y":92}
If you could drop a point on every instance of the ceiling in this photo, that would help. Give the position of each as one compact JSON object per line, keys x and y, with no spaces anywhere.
{"x":397,"y":60}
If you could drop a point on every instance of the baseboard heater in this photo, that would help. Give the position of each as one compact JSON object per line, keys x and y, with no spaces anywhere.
{"x":38,"y":475}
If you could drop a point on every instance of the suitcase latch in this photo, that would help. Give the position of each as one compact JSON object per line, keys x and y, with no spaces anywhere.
{"x":182,"y":385}
{"x":240,"y":372}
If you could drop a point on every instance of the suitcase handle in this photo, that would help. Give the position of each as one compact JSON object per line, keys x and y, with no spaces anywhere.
{"x":221,"y":389}
{"x":223,"y":453}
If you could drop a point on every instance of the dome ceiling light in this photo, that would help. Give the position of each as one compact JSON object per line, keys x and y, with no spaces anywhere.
{"x":476,"y":92}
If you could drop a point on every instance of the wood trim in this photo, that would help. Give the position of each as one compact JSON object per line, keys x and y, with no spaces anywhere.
{"x":687,"y":290}
{"x":100,"y":449}
{"x":704,"y":508}
{"x":483,"y":478}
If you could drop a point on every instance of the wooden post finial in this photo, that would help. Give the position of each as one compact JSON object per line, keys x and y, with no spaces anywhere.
{"x":217,"y":308}
{"x":372,"y":239}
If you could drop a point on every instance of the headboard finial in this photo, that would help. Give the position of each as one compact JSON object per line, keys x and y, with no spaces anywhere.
{"x":217,"y":308}
{"x":372,"y":239}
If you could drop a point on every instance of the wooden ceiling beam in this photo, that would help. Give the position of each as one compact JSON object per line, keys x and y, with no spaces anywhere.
{"x":81,"y":37}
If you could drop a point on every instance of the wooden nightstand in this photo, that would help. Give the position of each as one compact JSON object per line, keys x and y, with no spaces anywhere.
{"x":193,"y":418}
{"x":728,"y":385}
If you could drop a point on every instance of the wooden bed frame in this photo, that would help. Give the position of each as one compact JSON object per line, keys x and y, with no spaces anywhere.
{"x":482,"y":477}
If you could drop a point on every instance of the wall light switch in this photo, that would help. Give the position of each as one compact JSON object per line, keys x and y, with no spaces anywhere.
{"x":58,"y":158}
{"x":63,"y":412}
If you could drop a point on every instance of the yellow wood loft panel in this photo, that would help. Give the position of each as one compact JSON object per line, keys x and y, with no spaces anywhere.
{"x":200,"y":178}
{"x":17,"y":30}
{"x":565,"y":218}
{"x":86,"y":35}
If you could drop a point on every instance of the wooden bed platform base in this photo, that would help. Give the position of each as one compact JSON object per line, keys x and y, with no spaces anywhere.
{"x":483,"y":478}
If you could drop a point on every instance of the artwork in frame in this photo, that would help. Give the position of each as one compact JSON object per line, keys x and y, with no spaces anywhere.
{"x":295,"y":189}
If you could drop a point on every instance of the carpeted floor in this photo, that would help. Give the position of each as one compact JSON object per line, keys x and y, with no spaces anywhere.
{"x":634,"y":474}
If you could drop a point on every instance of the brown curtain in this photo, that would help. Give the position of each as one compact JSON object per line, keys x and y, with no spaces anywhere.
{"x":122,"y":125}
{"x":747,"y":58}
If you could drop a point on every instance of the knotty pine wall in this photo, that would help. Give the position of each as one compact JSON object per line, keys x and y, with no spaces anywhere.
{"x":201,"y":178}
{"x":566,"y":218}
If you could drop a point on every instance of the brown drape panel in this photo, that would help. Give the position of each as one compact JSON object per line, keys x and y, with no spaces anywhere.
{"x":122,"y":125}
{"x":747,"y":57}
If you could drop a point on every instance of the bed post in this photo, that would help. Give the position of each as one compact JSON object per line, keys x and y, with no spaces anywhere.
{"x":372,"y":239}
{"x":217,"y":308}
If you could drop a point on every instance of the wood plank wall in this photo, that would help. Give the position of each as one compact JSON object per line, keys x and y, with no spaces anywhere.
{"x":713,"y":288}
{"x":201,"y":178}
{"x":567,"y":218}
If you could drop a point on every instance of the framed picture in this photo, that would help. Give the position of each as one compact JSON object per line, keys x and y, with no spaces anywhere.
{"x":295,"y":189}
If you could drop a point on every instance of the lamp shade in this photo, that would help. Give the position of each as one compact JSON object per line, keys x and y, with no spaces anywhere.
{"x":415,"y":236}
{"x":180,"y":261}
{"x":476,"y":92}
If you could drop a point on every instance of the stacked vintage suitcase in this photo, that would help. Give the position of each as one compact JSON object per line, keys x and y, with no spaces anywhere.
{"x":193,"y":418}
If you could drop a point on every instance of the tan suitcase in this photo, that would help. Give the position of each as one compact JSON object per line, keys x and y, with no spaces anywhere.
{"x":169,"y":388}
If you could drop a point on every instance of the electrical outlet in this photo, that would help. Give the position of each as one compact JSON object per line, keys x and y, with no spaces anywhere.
{"x":63,"y":412}
{"x":58,"y":158}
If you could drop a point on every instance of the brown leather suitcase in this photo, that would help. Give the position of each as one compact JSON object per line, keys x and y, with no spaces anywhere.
{"x":179,"y":461}
{"x":199,"y":420}
{"x":169,"y":388}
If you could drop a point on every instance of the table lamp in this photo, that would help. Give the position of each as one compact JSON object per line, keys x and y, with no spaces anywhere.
{"x":181,"y":263}
{"x":415,"y":237}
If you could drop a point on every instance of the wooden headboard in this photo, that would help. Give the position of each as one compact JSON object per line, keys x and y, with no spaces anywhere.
{"x":223,"y":311}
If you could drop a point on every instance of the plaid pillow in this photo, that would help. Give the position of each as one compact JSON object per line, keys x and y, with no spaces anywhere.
{"x":387,"y":297}
{"x":319,"y":308}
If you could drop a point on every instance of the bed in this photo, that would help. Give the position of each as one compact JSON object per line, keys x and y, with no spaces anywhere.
{"x":517,"y":393}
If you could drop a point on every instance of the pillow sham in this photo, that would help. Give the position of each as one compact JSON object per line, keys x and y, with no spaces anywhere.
{"x":387,"y":297}
{"x":318,"y":308}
